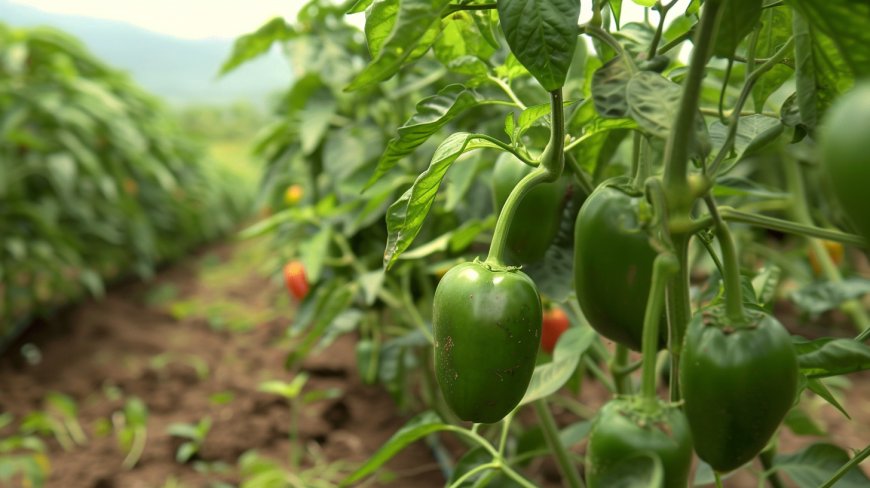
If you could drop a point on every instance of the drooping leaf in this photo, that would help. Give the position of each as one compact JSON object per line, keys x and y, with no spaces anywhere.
{"x":815,"y":465}
{"x":405,"y":217}
{"x":414,"y":28}
{"x":257,"y":43}
{"x":542,"y":34}
{"x":819,"y":388}
{"x":737,"y":20}
{"x":422,"y":425}
{"x":801,"y":423}
{"x":549,"y":377}
{"x":821,"y":358}
{"x":432,"y":114}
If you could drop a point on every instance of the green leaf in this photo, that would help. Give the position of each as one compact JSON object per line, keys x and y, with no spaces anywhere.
{"x":821,"y":73}
{"x":754,"y":132}
{"x":330,"y":304}
{"x":654,"y":101}
{"x":432,"y":114}
{"x":542,"y":34}
{"x":413,"y":30}
{"x":737,"y":20}
{"x":815,"y":465}
{"x":609,"y":88}
{"x":359,"y":6}
{"x":460,"y":47}
{"x":844,"y":22}
{"x":549,"y":377}
{"x":286,"y":390}
{"x":799,"y":422}
{"x":775,"y":30}
{"x":821,"y":358}
{"x":820,"y":297}
{"x":319,"y":109}
{"x":259,"y":42}
{"x":405,"y":217}
{"x":422,"y":425}
{"x":816,"y":386}
{"x":185,"y":452}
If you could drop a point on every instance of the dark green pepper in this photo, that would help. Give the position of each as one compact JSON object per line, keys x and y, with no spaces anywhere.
{"x":738,"y":382}
{"x":536,"y":221}
{"x":627,"y":426}
{"x":613,"y":265}
{"x":487,"y":323}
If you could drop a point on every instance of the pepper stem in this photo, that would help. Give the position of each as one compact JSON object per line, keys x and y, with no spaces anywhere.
{"x":552,"y":163}
{"x":664,"y":266}
{"x":733,"y":292}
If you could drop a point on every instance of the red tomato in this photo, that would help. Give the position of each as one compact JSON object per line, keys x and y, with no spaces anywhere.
{"x":294,"y":278}
{"x":555,"y":323}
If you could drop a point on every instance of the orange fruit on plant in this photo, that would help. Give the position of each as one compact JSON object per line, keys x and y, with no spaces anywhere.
{"x":554,"y":324}
{"x":295,"y":279}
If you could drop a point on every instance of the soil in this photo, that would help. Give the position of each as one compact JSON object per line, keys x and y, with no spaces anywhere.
{"x":196,"y":343}
{"x":185,"y":368}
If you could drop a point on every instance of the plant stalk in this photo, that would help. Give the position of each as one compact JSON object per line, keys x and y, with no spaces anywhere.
{"x":551,"y":434}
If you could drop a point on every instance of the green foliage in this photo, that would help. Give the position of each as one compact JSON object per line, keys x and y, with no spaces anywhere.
{"x":97,"y":181}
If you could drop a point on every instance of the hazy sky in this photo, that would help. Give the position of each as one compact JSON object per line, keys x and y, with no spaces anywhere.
{"x":196,"y":19}
{"x":190,"y":19}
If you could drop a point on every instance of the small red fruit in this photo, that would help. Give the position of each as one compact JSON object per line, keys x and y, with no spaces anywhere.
{"x":294,"y":278}
{"x":555,"y":323}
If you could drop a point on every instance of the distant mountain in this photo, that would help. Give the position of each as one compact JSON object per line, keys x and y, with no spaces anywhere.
{"x":181,"y":71}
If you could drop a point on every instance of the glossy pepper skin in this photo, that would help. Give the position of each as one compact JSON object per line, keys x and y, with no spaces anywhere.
{"x":487,"y":325}
{"x":613,"y":265}
{"x":536,"y":221}
{"x":738,"y":383}
{"x":623,"y":429}
{"x":845,"y":150}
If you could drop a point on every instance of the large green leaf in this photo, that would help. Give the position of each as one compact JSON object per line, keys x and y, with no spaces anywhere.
{"x":432,"y":114}
{"x":844,"y":22}
{"x":420,"y":426}
{"x":754,"y":132}
{"x":819,"y":297}
{"x":542,"y":34}
{"x":412,"y":29}
{"x":737,"y":20}
{"x":654,"y":101}
{"x":815,"y":465}
{"x":549,"y":377}
{"x":609,"y":85}
{"x":831,"y":39}
{"x":831,"y":357}
{"x":405,"y":217}
{"x":257,"y":43}
{"x":775,"y":30}
{"x":460,"y":46}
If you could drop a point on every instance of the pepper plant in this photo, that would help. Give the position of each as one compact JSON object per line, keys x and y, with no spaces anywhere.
{"x":662,"y":182}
